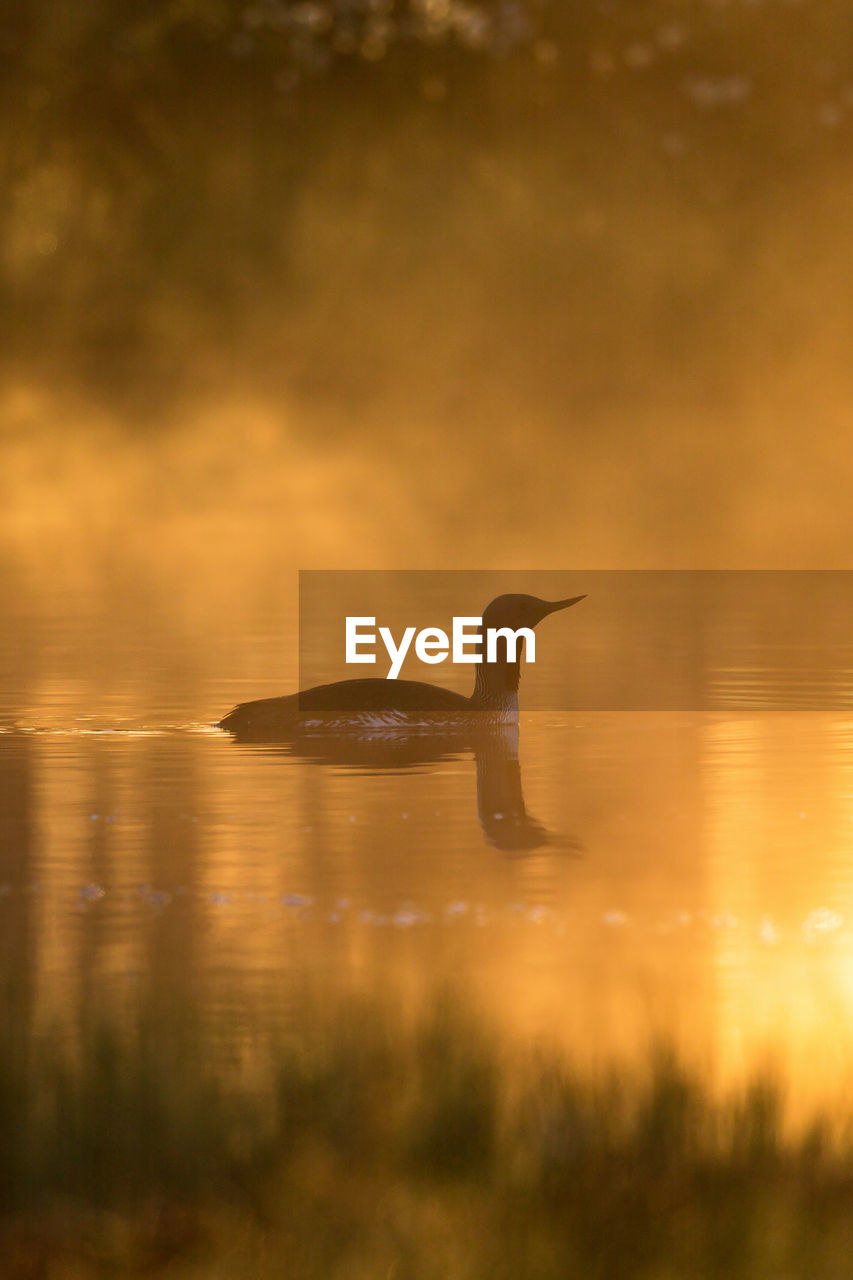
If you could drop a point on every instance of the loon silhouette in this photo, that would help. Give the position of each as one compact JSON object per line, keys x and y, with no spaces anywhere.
{"x":401,"y":704}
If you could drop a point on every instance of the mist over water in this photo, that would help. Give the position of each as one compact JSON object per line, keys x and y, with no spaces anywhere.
{"x":575,"y":294}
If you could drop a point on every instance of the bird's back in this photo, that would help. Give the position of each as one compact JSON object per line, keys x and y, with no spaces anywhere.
{"x":381,"y":702}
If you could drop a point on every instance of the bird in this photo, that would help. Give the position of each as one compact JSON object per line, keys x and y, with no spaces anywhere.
{"x":382,"y":705}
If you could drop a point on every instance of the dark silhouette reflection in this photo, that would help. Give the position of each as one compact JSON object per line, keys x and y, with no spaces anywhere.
{"x":503,"y":816}
{"x":504,"y":819}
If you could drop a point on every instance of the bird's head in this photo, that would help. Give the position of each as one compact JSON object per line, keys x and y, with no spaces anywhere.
{"x":522,"y":611}
{"x":496,"y":681}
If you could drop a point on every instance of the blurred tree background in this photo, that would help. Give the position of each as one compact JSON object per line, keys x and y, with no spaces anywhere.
{"x":589,"y":249}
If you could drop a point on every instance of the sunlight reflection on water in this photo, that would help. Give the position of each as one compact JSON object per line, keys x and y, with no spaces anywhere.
{"x":689,"y":878}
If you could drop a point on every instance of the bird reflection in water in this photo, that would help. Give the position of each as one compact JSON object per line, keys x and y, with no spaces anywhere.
{"x":503,"y":816}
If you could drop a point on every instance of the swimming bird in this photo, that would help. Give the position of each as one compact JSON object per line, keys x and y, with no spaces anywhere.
{"x":400,"y":704}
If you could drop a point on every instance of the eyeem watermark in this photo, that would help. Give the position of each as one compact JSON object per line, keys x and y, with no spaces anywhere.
{"x":643,"y":640}
{"x":432,"y":645}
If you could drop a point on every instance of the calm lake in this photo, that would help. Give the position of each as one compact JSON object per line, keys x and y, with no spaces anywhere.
{"x":597,"y":881}
{"x":386,"y":1004}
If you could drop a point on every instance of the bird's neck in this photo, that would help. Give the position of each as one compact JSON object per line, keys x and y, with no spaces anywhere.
{"x":496,"y":688}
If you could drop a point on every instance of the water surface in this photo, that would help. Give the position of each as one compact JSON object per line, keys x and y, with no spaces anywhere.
{"x":603,"y":880}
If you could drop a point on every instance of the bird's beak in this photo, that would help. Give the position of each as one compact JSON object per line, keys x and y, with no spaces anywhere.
{"x":562,"y":604}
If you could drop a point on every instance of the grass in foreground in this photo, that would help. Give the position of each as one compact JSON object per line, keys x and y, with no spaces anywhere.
{"x":362,"y":1150}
